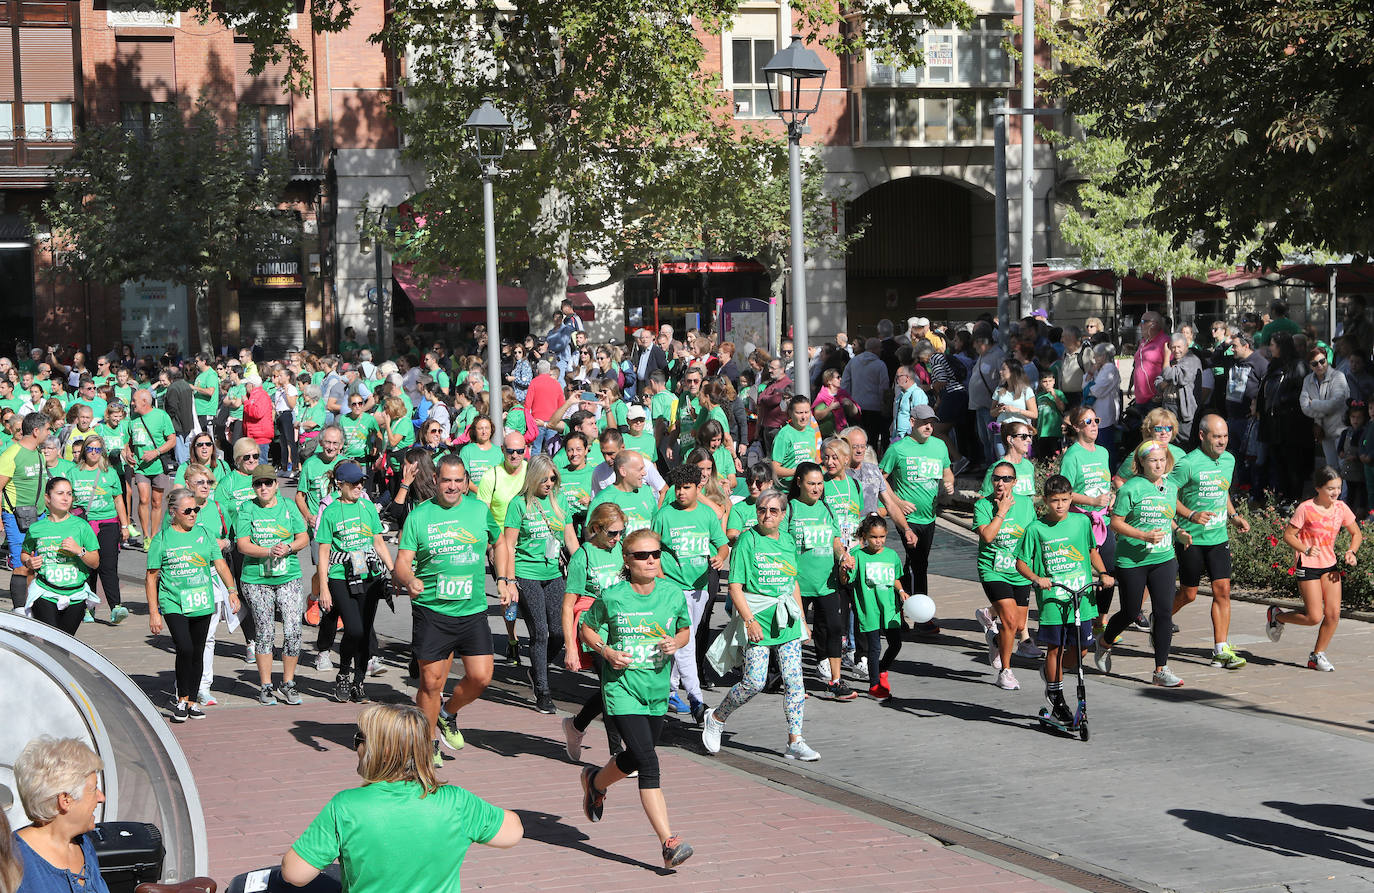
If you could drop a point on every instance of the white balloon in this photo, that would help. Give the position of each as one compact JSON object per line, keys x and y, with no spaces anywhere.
{"x":919,"y":608}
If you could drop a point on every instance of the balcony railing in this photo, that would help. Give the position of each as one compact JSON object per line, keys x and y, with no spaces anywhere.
{"x":305,"y":150}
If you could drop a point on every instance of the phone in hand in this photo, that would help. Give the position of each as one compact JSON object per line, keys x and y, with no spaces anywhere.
{"x":588,"y":396}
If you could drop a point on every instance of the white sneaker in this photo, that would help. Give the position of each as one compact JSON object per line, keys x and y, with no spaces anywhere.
{"x":1006,"y":681}
{"x":1166,"y":678}
{"x":573,"y":739}
{"x":823,"y":670}
{"x":322,"y":661}
{"x":711,"y":731}
{"x":205,"y":698}
{"x":251,"y":656}
{"x":375,"y":668}
{"x":800,"y":750}
{"x":861,"y":668}
{"x":984,"y":616}
{"x":1027,"y":649}
{"x":994,"y":649}
{"x":1317,"y":661}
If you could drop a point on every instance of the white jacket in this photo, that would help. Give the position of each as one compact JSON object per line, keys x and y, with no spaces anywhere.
{"x":1324,"y":401}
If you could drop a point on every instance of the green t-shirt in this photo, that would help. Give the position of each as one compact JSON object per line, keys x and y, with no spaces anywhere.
{"x":450,"y":546}
{"x":26,"y":472}
{"x":479,"y":461}
{"x":240,"y":392}
{"x":266,"y":527}
{"x":64,"y":574}
{"x":875,"y":590}
{"x":1025,"y":478}
{"x":207,"y":405}
{"x":96,"y":404}
{"x":594,"y":457}
{"x":63,"y":469}
{"x":186,"y":561}
{"x":347,"y":527}
{"x":767,"y":566}
{"x":95,"y":490}
{"x":356,"y":433}
{"x":1146,"y":507}
{"x":13,"y":403}
{"x":644,"y":444}
{"x":813,"y":529}
{"x":515,"y":419}
{"x":372,"y":832}
{"x":116,"y":439}
{"x":441,"y":379}
{"x":688,"y":408}
{"x":997,"y":559}
{"x":1089,"y":471}
{"x":406,"y":430}
{"x":591,"y":571}
{"x":1127,"y":469}
{"x":149,"y":432}
{"x":846,"y":502}
{"x":1061,"y":552}
{"x":917,"y":471}
{"x":540,"y":534}
{"x":690,"y":537}
{"x":636,"y":624}
{"x":316,"y":413}
{"x":662,"y":406}
{"x":125,"y":394}
{"x":462,"y":420}
{"x":1203,"y":484}
{"x":639,"y":506}
{"x":792,"y":447}
{"x":231,"y":492}
{"x":314,"y":480}
{"x":743,"y":516}
{"x":1049,"y":421}
{"x":577,"y":486}
{"x":220,"y":471}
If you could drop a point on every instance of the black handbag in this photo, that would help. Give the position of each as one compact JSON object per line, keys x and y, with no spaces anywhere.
{"x":168,"y":460}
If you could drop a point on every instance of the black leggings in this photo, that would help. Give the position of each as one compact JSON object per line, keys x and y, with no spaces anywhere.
{"x":1108,"y":552}
{"x":594,"y":707}
{"x":875,"y":643}
{"x":703,"y":630}
{"x":640,"y":734}
{"x":826,"y":629}
{"x":917,"y":557}
{"x":358,"y":613}
{"x":288,"y":448}
{"x":108,"y":534}
{"x":188,"y":638}
{"x":68,"y":619}
{"x":1159,"y":579}
{"x":541,"y":604}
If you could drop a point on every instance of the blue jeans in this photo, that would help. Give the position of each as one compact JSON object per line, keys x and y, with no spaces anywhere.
{"x":1106,"y":438}
{"x":13,"y":538}
{"x":983,"y":419}
{"x":264,"y":452}
{"x":182,"y":450}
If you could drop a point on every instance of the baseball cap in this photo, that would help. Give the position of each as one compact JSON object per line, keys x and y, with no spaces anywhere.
{"x":348,"y":473}
{"x":919,"y":322}
{"x":346,"y":367}
{"x":245,"y":446}
{"x":923,"y":411}
{"x":1041,"y":313}
{"x":635,"y":412}
{"x":264,"y":473}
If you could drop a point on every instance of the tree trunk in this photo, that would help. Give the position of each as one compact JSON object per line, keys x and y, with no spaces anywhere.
{"x":776,"y":264}
{"x":201,"y":290}
{"x":546,"y":278}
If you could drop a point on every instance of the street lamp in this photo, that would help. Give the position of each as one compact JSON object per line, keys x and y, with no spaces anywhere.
{"x":796,"y":80}
{"x":490,"y":131}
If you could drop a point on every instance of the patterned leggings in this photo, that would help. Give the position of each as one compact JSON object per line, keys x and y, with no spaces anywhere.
{"x":756,"y":674}
{"x":266,"y":599}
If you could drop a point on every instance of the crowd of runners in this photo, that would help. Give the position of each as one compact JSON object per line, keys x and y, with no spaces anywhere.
{"x":634,"y":496}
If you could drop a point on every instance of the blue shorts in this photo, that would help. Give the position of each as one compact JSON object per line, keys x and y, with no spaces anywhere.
{"x":1056,"y":635}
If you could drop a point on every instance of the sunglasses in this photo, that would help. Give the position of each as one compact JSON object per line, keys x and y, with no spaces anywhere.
{"x":191,"y":512}
{"x":359,"y":739}
{"x":1021,"y":436}
{"x":356,"y":403}
{"x":1319,"y":362}
{"x":199,"y":481}
{"x":769,"y":510}
{"x":615,"y":534}
{"x":514,"y":452}
{"x":264,"y":484}
{"x":1004,"y":478}
{"x":646,"y":554}
{"x":93,"y":449}
{"x":1163,"y":429}
{"x":1090,"y":421}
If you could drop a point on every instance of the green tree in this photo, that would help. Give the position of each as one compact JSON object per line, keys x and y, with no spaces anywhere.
{"x":1242,"y":118}
{"x":185,"y":202}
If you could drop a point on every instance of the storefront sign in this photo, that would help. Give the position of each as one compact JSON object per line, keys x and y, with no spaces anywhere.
{"x":282,"y":268}
{"x":153,"y":315}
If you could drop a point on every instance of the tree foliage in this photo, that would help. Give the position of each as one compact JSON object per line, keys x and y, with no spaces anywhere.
{"x":1244,"y":119}
{"x":184,"y":203}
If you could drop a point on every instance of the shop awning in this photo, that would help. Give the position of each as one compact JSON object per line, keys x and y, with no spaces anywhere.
{"x":981,"y":293}
{"x":448,"y":298}
{"x":976,"y":293}
{"x":1350,"y":278}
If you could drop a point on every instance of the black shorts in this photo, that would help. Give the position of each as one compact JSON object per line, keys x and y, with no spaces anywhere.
{"x":435,"y":636}
{"x":953,"y":406}
{"x":997,"y":590}
{"x":1056,"y":635}
{"x":1315,"y":573}
{"x":1192,"y":561}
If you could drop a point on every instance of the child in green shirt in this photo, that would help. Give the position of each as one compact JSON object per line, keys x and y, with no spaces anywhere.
{"x":1049,"y":419}
{"x":878,"y":598}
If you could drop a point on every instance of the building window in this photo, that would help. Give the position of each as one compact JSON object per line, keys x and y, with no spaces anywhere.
{"x":748,"y":56}
{"x":48,"y":122}
{"x":265,"y":128}
{"x":141,"y":118}
{"x":975,"y":58}
{"x":6,"y":120}
{"x":927,"y":117}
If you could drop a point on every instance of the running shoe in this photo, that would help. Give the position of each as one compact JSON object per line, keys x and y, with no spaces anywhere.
{"x":118,"y":614}
{"x":375,"y":668}
{"x":823,"y":670}
{"x":1007,"y":682}
{"x":312,"y":614}
{"x":677,"y":705}
{"x":593,"y":801}
{"x":711,"y":731}
{"x":448,"y":730}
{"x":1102,"y":657}
{"x":193,"y":710}
{"x":265,"y":696}
{"x":1228,"y":659}
{"x":1028,"y":649}
{"x":929,"y":628}
{"x":250,"y":656}
{"x":861,"y":668}
{"x":838,"y":691}
{"x":572,"y":739}
{"x":1099,"y":627}
{"x":675,"y":852}
{"x":698,"y":711}
{"x":882,"y":680}
{"x":206,"y":698}
{"x":287,"y":690}
{"x":438,"y":759}
{"x":1317,"y":661}
{"x":847,"y":659}
{"x":800,"y":750}
{"x":513,"y":652}
{"x":984,"y":617}
{"x":357,"y":694}
{"x":342,"y":690}
{"x":1141,"y":623}
{"x":544,"y":704}
{"x":994,"y":649}
{"x":323,"y":663}
{"x":1166,"y":678}
{"x":1061,"y":712}
{"x":879,"y":692}
{"x":1272,"y":628}
{"x":180,"y":712}
{"x":89,"y":618}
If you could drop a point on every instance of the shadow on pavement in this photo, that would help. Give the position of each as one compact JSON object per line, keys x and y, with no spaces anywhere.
{"x":547,"y":828}
{"x":927,"y":708}
{"x":1281,"y":838}
{"x":311,"y":733}
{"x":517,"y":744}
{"x":1328,"y":815}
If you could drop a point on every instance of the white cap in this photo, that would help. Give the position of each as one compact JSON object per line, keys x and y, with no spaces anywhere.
{"x":635,"y":411}
{"x":917,"y":322}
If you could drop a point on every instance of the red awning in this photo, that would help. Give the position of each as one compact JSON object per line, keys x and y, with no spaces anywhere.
{"x":975,"y":293}
{"x":1350,"y":278}
{"x":450,"y":299}
{"x":706,"y":266}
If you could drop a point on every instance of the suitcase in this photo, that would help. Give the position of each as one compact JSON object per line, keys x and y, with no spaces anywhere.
{"x":130,"y":853}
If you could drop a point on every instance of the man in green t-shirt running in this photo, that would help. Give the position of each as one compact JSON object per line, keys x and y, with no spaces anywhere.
{"x":441,"y":562}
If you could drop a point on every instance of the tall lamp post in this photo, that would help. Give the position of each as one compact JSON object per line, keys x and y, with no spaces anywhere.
{"x":796,"y":80}
{"x":490,"y":131}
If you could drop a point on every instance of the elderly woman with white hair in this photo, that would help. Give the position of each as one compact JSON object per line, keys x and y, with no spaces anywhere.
{"x":1103,"y":394}
{"x":1179,"y":382}
{"x":59,"y":787}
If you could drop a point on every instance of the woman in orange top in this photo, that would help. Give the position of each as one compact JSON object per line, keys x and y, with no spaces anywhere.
{"x":1311,"y":532}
